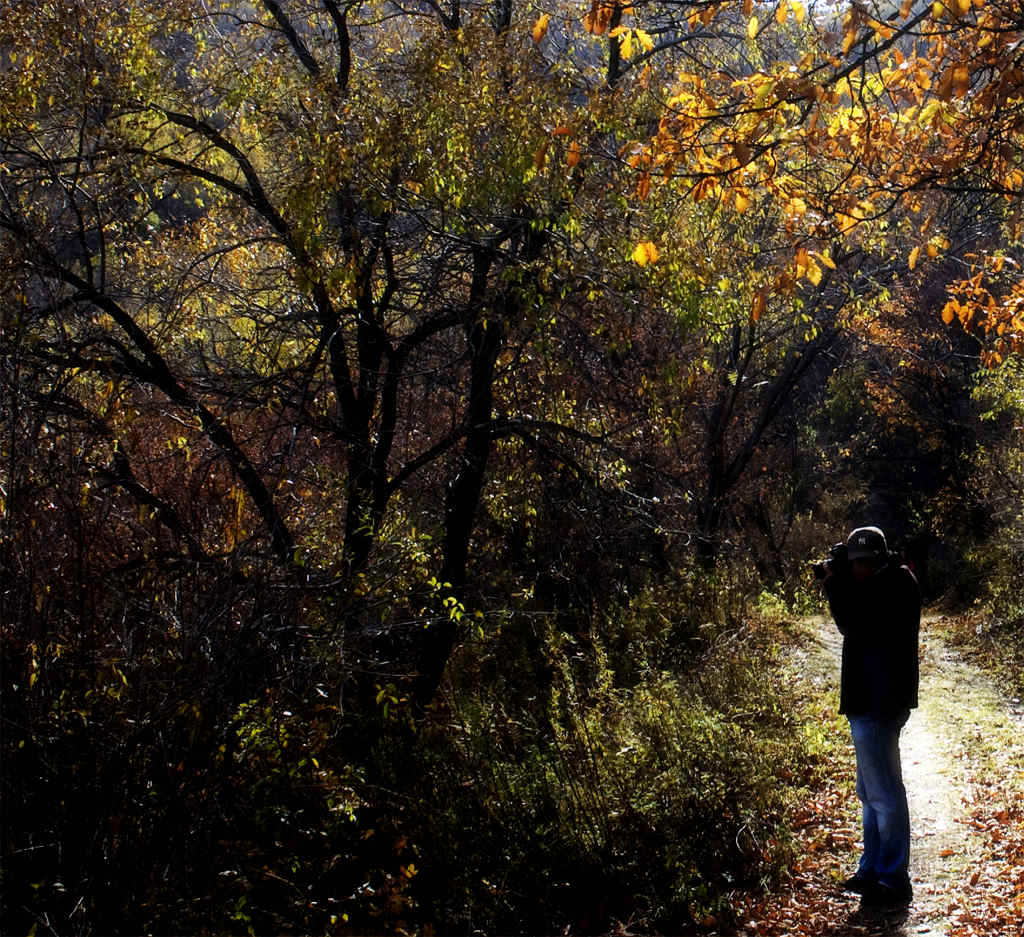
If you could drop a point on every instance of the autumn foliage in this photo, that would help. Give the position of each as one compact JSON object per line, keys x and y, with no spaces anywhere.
{"x":414,"y":419}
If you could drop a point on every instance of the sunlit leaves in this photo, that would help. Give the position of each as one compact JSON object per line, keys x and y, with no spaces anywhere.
{"x":629,"y":39}
{"x":540,"y":28}
{"x":645,"y":253}
{"x":876,"y":116}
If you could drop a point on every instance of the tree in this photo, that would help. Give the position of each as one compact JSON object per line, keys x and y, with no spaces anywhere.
{"x":297,"y":249}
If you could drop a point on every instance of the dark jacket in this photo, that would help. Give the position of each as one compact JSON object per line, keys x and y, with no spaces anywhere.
{"x":879,"y":619}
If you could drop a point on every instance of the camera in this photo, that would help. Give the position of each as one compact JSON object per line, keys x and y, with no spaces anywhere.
{"x":836,"y":560}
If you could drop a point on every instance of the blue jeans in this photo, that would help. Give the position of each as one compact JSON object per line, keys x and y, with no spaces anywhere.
{"x":876,"y":740}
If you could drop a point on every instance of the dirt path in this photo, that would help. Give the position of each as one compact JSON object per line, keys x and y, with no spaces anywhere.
{"x":963,"y":764}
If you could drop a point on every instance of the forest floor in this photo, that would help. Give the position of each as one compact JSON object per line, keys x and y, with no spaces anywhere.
{"x":963,"y":765}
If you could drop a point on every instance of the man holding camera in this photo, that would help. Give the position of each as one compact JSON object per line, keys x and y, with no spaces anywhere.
{"x":876,"y":604}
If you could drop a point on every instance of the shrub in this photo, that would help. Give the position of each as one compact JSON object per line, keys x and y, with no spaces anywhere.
{"x":594,"y":801}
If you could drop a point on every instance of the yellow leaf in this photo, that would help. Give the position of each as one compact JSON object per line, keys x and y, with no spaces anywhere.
{"x":645,"y":253}
{"x":752,"y":28}
{"x":540,"y":28}
{"x":914,"y":254}
{"x":846,"y":222}
{"x":799,"y":10}
{"x":742,"y":202}
{"x":964,"y":6}
{"x":626,"y":45}
{"x":826,"y":259}
{"x":949,"y":311}
{"x":645,"y":39}
{"x":813,"y":272}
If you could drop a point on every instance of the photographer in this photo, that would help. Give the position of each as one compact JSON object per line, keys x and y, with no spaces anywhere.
{"x":876,"y":605}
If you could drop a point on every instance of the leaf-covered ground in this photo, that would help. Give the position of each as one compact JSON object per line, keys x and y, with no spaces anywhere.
{"x":963,"y":764}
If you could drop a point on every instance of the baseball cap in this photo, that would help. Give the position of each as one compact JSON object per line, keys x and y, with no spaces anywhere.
{"x":867,"y":543}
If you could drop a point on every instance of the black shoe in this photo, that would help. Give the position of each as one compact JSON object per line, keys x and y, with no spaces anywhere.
{"x":881,"y":896}
{"x":860,"y":882}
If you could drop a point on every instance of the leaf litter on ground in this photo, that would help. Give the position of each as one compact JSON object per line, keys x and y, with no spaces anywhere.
{"x":963,"y":756}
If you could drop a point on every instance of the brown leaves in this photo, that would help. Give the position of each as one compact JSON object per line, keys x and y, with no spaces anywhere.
{"x":808,"y":902}
{"x":600,"y":16}
{"x":994,"y":903}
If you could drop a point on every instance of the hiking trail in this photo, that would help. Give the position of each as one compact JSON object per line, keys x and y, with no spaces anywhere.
{"x":962,"y":752}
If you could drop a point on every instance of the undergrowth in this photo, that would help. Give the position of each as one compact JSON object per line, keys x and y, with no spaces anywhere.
{"x":638,"y":771}
{"x":585,"y":801}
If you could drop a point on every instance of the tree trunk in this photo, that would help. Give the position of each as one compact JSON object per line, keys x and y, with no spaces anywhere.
{"x":484,"y":338}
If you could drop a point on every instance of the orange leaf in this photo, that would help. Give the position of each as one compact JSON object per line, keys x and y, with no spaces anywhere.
{"x":914,"y":254}
{"x":540,"y":28}
{"x":961,"y":80}
{"x":572,"y":158}
{"x":757,"y":307}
